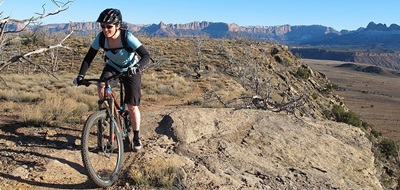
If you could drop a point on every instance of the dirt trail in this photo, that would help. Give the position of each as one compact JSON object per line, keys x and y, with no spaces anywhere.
{"x":40,"y":158}
{"x":46,"y":157}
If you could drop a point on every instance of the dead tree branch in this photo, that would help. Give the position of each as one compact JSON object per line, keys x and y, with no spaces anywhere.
{"x":24,"y":57}
{"x":289,"y":104}
{"x":41,"y":67}
{"x":41,"y":50}
{"x":4,"y":82}
{"x":218,"y":97}
{"x":61,"y":7}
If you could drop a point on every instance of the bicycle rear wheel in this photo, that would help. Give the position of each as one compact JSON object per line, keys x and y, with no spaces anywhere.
{"x":102,"y":156}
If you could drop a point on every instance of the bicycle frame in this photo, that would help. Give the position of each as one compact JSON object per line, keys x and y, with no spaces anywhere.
{"x":114,"y":107}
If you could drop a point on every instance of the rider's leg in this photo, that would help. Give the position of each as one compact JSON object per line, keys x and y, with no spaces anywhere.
{"x":100,"y":89}
{"x":134,"y":113}
{"x":132,"y":98}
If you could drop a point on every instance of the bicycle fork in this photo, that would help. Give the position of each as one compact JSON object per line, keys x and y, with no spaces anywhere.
{"x":112,"y":126}
{"x":106,"y":142}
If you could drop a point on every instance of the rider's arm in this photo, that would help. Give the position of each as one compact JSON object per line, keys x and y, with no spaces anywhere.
{"x":144,"y":57}
{"x":139,"y":48}
{"x":87,"y":61}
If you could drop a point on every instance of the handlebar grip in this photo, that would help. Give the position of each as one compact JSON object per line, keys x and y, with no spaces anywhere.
{"x":86,"y":83}
{"x":83,"y":82}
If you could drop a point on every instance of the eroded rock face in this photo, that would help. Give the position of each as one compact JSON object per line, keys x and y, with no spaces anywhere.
{"x":233,"y":149}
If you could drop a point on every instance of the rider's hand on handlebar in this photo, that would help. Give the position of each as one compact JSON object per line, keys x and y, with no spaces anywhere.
{"x":134,"y":70}
{"x":78,"y":80}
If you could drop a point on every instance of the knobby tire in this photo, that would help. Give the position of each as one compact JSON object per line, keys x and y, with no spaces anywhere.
{"x":102,"y":162}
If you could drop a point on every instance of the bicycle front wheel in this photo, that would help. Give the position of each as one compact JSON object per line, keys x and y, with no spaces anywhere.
{"x":102,"y":151}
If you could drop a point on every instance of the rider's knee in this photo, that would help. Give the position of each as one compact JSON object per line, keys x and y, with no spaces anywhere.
{"x":101,"y":85}
{"x":132,"y":107}
{"x":100,"y":89}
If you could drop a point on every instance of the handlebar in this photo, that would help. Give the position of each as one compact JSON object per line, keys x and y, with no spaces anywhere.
{"x":88,"y":82}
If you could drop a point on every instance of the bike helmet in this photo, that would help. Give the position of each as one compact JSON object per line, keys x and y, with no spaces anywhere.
{"x":110,"y":16}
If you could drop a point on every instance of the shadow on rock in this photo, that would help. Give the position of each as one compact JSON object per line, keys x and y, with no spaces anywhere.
{"x":165,"y":128}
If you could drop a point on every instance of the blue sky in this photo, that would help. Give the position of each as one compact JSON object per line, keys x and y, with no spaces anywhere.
{"x":339,"y":14}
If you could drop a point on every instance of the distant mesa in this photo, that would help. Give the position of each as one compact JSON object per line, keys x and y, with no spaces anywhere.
{"x":347,"y":65}
{"x":362,"y":68}
{"x":286,"y":34}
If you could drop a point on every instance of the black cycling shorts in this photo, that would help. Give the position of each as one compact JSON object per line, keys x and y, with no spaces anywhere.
{"x":132,"y":85}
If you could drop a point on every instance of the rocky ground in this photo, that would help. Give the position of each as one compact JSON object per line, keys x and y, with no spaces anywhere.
{"x":210,"y":149}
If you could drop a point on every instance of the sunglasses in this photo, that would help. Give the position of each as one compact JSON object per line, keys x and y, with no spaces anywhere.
{"x":106,"y":26}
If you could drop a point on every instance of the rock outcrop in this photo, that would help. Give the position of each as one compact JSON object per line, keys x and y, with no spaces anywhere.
{"x":253,"y":149}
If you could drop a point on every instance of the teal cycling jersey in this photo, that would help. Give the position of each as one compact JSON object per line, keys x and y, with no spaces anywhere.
{"x":120,"y":58}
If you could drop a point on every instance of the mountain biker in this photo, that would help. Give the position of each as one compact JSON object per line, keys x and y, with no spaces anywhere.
{"x":119,"y":60}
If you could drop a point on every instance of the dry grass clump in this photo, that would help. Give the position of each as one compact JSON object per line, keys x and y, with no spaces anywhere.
{"x":40,"y":99}
{"x":197,"y":101}
{"x":7,"y":107}
{"x":153,"y":172}
{"x":82,"y":94}
{"x":53,"y":108}
{"x":33,"y":82}
{"x":16,"y":96}
{"x":166,"y":84}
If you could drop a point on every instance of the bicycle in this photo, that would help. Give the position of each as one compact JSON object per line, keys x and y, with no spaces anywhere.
{"x":104,"y":134}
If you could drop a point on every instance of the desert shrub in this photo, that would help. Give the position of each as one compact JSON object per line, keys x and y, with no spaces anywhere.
{"x":33,"y":38}
{"x":349,"y":117}
{"x":330,"y":87}
{"x":366,"y":125}
{"x":386,"y":155}
{"x":315,"y":95}
{"x":154,"y":172}
{"x":376,"y":133}
{"x":303,"y":72}
{"x":287,"y":61}
{"x":388,"y":148}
